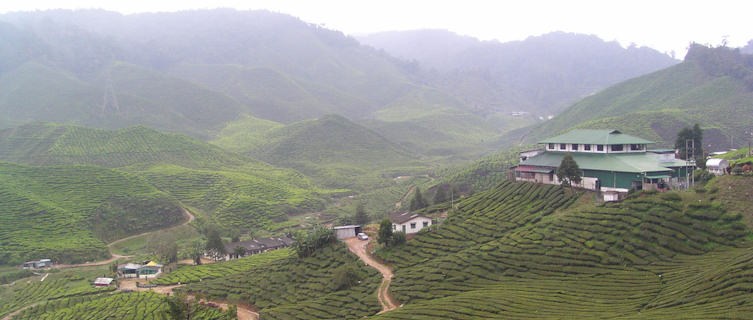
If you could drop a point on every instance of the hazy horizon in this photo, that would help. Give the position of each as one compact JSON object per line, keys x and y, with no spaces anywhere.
{"x":668,"y":26}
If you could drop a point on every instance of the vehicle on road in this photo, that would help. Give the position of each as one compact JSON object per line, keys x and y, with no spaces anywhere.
{"x":362,"y":236}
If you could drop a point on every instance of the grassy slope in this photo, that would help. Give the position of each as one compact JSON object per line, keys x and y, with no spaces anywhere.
{"x":433,"y":123}
{"x":65,"y":213}
{"x":332,"y":150}
{"x":657,"y":105}
{"x":66,"y":283}
{"x":299,"y":288}
{"x":233,"y":190}
{"x":522,"y":261}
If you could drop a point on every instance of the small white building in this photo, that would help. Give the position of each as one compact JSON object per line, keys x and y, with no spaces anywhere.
{"x":344,"y":232}
{"x":409,"y":222}
{"x":103,"y":282}
{"x":717,"y":166}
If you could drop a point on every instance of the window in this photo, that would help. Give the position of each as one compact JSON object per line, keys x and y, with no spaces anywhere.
{"x":563,"y":146}
{"x":394,"y":227}
{"x":412,"y":225}
{"x":587,"y":147}
{"x":575,"y":147}
{"x":636,"y":147}
{"x":426,"y":224}
{"x":599,"y":147}
{"x":616,"y":147}
{"x":551,"y":146}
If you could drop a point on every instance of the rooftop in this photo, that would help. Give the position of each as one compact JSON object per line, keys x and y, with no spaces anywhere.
{"x":402,"y":217}
{"x":260,"y":243}
{"x":620,"y":162}
{"x":596,"y":136}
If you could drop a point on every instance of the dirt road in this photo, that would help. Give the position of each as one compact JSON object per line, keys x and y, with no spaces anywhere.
{"x":383,"y":292}
{"x":115,"y":257}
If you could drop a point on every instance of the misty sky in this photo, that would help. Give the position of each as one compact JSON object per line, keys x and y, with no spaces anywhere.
{"x":663,"y":25}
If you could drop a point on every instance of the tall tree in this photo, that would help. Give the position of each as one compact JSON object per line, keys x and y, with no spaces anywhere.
{"x":442,"y":194}
{"x":197,"y":251}
{"x":179,"y":306}
{"x":569,"y":172}
{"x":215,"y":247}
{"x":418,"y":201}
{"x":361,"y":217}
{"x":385,"y":232}
{"x":695,"y":134}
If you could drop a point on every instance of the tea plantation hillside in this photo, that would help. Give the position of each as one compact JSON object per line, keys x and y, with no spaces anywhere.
{"x":67,"y":213}
{"x":131,"y":305}
{"x":526,"y":251}
{"x":712,"y":87}
{"x":300,"y":288}
{"x":54,"y":144}
{"x":334,"y":151}
{"x":229,"y":189}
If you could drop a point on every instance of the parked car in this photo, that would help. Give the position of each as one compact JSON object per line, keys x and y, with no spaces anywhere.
{"x":362,"y":236}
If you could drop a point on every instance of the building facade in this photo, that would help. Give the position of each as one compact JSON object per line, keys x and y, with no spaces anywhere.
{"x":409,"y":222}
{"x":612,"y":162}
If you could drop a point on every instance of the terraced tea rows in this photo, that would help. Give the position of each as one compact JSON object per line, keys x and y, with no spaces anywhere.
{"x":56,"y":287}
{"x":132,"y":305}
{"x":240,"y":198}
{"x":189,"y":274}
{"x":652,"y":256}
{"x":300,"y":288}
{"x":48,"y":212}
{"x":483,"y":217}
{"x":55,"y":144}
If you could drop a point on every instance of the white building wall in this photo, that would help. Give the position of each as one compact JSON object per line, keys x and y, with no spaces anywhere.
{"x":419,"y":224}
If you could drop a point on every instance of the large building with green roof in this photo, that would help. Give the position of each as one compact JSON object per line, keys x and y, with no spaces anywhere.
{"x":611,"y":161}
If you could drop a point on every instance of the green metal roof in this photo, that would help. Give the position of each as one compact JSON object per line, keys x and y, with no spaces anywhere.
{"x":657,"y":176}
{"x":596,"y":136}
{"x":619,"y":162}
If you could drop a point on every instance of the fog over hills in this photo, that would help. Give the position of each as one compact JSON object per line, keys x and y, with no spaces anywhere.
{"x":541,"y":74}
{"x":277,"y":67}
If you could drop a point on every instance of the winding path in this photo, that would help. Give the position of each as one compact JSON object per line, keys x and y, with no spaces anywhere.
{"x":115,"y":257}
{"x":383,"y":292}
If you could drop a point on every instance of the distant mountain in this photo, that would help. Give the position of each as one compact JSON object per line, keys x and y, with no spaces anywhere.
{"x":432,"y":48}
{"x":712,"y":87}
{"x":274,"y":66}
{"x":542,"y":74}
{"x":195,"y":71}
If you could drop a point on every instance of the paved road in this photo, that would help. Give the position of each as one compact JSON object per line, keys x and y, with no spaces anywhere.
{"x":383,"y":292}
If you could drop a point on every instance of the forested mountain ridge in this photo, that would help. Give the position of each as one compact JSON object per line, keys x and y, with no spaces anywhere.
{"x":541,"y":74}
{"x":195,"y":71}
{"x":712,"y":87}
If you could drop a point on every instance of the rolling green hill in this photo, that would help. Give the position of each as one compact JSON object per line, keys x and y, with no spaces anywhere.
{"x":229,"y":189}
{"x":712,"y":87}
{"x":334,"y":151}
{"x":521,"y":250}
{"x":67,"y":213}
{"x":54,"y":144}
